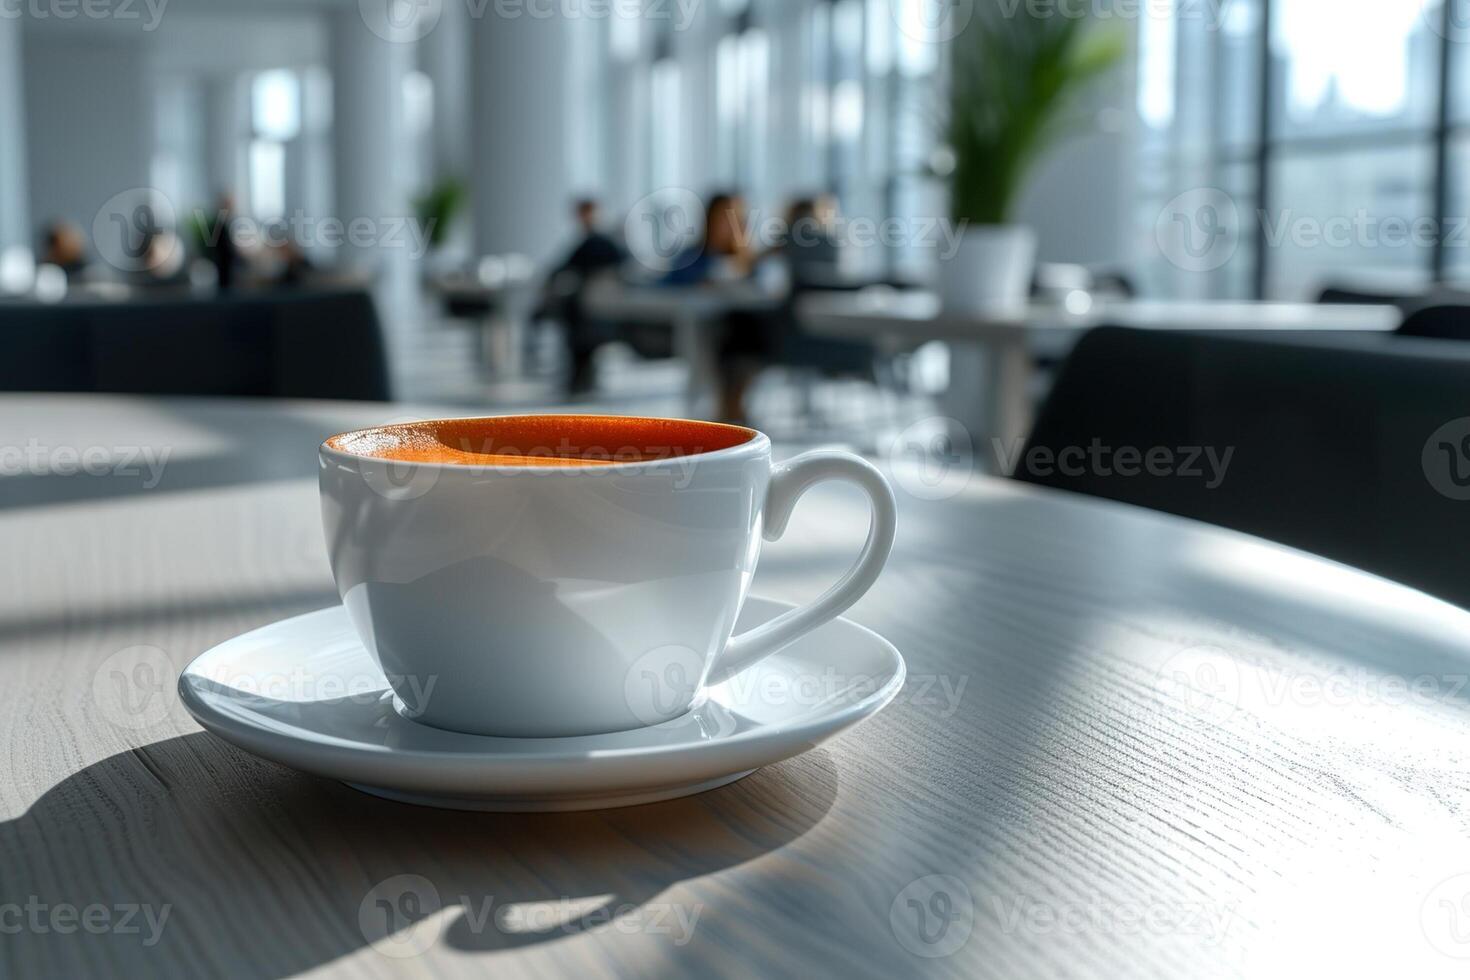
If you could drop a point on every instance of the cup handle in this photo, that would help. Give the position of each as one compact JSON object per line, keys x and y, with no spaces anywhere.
{"x":789,"y":482}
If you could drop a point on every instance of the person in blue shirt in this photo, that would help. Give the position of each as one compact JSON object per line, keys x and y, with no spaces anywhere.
{"x":724,"y":254}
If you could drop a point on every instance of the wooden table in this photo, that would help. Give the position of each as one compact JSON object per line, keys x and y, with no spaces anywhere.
{"x":992,"y":355}
{"x":1129,"y":746}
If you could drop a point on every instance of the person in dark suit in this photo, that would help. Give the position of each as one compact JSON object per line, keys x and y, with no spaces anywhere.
{"x":220,"y":247}
{"x":593,"y":255}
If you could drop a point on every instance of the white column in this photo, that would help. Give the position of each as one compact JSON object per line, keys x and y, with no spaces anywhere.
{"x":224,"y":136}
{"x":15,"y":218}
{"x":521,"y":176}
{"x":444,"y":55}
{"x":369,"y":144}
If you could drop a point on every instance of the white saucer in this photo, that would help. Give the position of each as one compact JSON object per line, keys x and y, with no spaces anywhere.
{"x":305,"y":693}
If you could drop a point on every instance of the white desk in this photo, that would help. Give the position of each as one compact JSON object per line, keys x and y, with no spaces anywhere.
{"x":507,"y":301}
{"x":993,"y":355}
{"x":693,"y":312}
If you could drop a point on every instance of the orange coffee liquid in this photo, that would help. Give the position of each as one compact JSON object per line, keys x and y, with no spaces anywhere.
{"x":542,"y":440}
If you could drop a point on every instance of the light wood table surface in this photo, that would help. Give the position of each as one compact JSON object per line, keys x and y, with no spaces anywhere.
{"x":1129,"y":746}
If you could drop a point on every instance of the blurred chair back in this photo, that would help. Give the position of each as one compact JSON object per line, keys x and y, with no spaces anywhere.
{"x":1442,"y":322}
{"x":1348,"y":296}
{"x":1349,"y":447}
{"x":282,"y":345}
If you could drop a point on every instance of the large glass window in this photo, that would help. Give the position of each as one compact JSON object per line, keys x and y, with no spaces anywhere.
{"x":781,"y":98}
{"x":1338,"y":184}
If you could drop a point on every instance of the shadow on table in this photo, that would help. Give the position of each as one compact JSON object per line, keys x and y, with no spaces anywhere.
{"x":188,"y":857}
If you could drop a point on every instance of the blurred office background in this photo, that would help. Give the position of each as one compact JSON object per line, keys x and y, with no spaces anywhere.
{"x":428,"y":154}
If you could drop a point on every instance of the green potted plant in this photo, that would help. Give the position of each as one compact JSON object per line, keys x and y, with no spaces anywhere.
{"x":1015,"y":78}
{"x":439,"y":207}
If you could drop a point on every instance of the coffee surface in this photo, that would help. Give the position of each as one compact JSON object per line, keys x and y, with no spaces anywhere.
{"x":542,"y":440}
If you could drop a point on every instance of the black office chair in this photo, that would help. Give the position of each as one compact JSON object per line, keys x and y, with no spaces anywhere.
{"x":288,"y":344}
{"x":1441,"y":322}
{"x":1355,"y":448}
{"x":1349,"y":296}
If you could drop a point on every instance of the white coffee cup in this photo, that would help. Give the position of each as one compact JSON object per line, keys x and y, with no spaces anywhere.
{"x":526,"y":592}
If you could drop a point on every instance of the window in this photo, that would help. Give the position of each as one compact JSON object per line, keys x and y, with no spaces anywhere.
{"x":1318,"y":130}
{"x":275,"y":121}
{"x":779,"y":98}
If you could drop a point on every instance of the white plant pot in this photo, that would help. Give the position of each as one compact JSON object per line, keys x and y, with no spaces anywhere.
{"x":991,"y":269}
